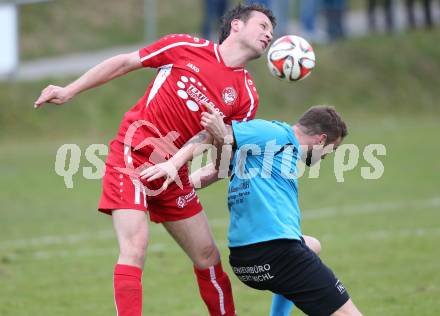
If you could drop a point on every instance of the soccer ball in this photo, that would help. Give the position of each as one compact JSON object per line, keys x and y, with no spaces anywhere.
{"x":291,"y":58}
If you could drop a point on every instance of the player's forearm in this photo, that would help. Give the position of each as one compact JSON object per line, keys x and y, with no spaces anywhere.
{"x":216,"y":170}
{"x":194,"y":147}
{"x":204,"y":176}
{"x":224,"y":143}
{"x":222,"y":157}
{"x":107,"y":70}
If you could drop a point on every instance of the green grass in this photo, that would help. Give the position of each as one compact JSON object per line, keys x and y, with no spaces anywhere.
{"x":51,"y":29}
{"x":379,"y":236}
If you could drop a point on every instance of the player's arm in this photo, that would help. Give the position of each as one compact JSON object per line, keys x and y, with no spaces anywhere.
{"x":216,"y":131}
{"x":194,"y":147}
{"x":107,"y":70}
{"x":224,"y":143}
{"x":213,"y":122}
{"x":204,"y":176}
{"x":223,"y":137}
{"x":217,"y":169}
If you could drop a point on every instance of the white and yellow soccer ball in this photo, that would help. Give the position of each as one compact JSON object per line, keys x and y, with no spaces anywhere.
{"x":291,"y":58}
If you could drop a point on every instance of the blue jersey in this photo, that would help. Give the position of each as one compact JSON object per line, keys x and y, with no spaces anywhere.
{"x":263,"y":190}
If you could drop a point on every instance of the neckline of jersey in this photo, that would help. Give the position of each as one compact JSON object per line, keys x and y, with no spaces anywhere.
{"x":216,"y":48}
{"x":290,"y":134}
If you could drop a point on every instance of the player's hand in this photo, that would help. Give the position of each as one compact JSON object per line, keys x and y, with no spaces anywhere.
{"x":212,"y":121}
{"x":54,"y":95}
{"x":165,"y":169}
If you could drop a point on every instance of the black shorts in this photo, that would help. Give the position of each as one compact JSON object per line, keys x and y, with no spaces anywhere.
{"x":290,"y":268}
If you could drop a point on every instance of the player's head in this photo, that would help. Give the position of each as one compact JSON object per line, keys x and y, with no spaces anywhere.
{"x":252,"y":25}
{"x":317,"y":128}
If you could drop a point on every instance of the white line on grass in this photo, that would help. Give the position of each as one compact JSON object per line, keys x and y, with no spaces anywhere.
{"x":369,"y":208}
{"x":50,"y":240}
{"x":173,"y":248}
{"x":353,"y":210}
{"x":91,"y":252}
{"x":307,"y":214}
{"x":57,"y":239}
{"x":383,"y":234}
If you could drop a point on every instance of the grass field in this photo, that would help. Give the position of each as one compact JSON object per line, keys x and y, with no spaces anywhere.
{"x":380,"y":236}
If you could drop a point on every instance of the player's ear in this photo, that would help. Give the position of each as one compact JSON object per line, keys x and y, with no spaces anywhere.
{"x":235,"y":25}
{"x":323,"y":139}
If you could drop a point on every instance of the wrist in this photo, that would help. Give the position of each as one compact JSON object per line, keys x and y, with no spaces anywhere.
{"x":225,"y":140}
{"x":228,"y":139}
{"x":177,"y":161}
{"x":70,"y":91}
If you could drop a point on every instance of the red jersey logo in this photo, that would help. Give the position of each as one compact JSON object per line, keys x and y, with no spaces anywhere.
{"x":229,"y":95}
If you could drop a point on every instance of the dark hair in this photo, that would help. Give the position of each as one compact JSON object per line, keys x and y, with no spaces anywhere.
{"x":323,"y":119}
{"x":242,"y":12}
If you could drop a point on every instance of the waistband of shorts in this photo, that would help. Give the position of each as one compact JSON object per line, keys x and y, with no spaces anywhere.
{"x":266,"y":244}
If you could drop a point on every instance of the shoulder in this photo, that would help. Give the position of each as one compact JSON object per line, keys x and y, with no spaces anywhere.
{"x":263,"y":125}
{"x":249,"y":79}
{"x":255,"y":123}
{"x":183,"y":39}
{"x":261,"y":135}
{"x":168,"y":47}
{"x":248,"y":74}
{"x":258,"y":129}
{"x":250,"y":87}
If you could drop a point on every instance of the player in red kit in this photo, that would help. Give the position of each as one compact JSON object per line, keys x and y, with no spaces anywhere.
{"x":191,"y":72}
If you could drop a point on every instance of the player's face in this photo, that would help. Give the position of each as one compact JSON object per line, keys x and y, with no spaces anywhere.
{"x":317,"y":152}
{"x":256,"y":33}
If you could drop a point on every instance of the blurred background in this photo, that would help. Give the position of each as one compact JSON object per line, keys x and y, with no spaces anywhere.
{"x":378,"y":62}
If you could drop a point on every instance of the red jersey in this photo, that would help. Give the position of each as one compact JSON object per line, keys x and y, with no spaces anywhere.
{"x":190,"y":71}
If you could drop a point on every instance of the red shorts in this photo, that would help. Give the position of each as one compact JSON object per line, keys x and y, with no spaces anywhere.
{"x":120,"y":190}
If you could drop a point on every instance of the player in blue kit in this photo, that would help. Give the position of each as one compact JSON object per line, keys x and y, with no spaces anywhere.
{"x":267,"y":247}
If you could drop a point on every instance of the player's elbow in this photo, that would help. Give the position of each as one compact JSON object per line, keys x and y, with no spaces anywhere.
{"x":313,"y":243}
{"x":317,"y":246}
{"x":128,"y":62}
